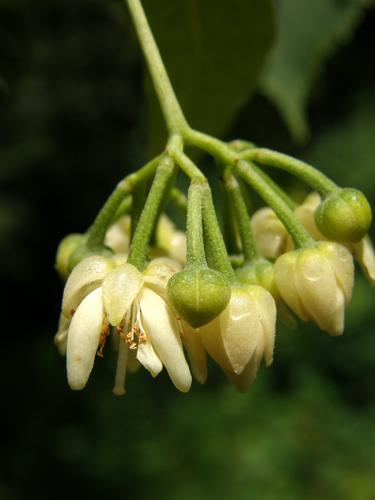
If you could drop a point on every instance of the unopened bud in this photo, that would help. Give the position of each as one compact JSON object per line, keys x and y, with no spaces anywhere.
{"x":344,"y":216}
{"x":259,"y":273}
{"x":82,"y":252}
{"x":198,"y":294}
{"x":65,"y":250}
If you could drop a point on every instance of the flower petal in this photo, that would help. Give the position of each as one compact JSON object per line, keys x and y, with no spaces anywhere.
{"x":85,"y":277}
{"x":162,"y":329}
{"x":213,"y":342}
{"x":193,"y":344}
{"x":158,"y":273}
{"x":317,"y":287}
{"x":342,"y":265}
{"x":266,"y":310}
{"x":240,"y":329}
{"x":285,"y":281}
{"x":148,"y":358}
{"x":364,"y":253}
{"x":83,"y":339}
{"x":120,"y":287}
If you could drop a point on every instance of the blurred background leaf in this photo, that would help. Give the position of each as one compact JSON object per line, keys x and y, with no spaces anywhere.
{"x":214,"y":52}
{"x":308,"y":34}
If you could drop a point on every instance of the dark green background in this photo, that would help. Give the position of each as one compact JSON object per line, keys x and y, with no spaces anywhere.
{"x":73,"y":120}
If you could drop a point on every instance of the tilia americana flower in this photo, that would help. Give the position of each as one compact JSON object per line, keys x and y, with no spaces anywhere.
{"x":103,"y":294}
{"x":206,"y":301}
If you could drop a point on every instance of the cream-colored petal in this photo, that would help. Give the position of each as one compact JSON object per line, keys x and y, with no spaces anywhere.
{"x":162,"y":329}
{"x":285,"y":281}
{"x":148,"y":358}
{"x":196,"y":352}
{"x":83,"y":339}
{"x":342,"y":265}
{"x":117,"y":237}
{"x":85,"y":277}
{"x":266,"y":310}
{"x":245,"y":379}
{"x":240,"y":329}
{"x":365,"y":255}
{"x":269,"y":231}
{"x":318,"y":290}
{"x":213,"y":342}
{"x":120,"y":287}
{"x":158,"y":272}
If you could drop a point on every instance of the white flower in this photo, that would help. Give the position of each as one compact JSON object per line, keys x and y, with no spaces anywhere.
{"x":316,"y":283}
{"x":118,"y":235}
{"x":243,"y":334}
{"x":270,"y":233}
{"x":170,"y":239}
{"x":363,"y":251}
{"x":101,"y":293}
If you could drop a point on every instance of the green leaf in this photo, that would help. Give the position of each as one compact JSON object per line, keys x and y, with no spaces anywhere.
{"x":309,"y":32}
{"x":213,"y":52}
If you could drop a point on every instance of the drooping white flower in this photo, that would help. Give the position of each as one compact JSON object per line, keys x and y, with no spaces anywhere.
{"x":170,"y":239}
{"x":243,"y":334}
{"x":316,"y":283}
{"x":363,"y":250}
{"x":103,"y":293}
{"x":270,"y":233}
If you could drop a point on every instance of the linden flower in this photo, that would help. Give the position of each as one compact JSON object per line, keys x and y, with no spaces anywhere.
{"x":104,"y":292}
{"x":363,"y":251}
{"x":170,"y":239}
{"x":118,"y":235}
{"x":316,"y":283}
{"x":270,"y":233}
{"x":242,"y":334}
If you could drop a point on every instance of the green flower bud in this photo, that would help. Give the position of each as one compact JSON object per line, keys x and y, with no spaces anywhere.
{"x":259,"y":273}
{"x":198,"y":294}
{"x":344,"y":216}
{"x":66,"y":248}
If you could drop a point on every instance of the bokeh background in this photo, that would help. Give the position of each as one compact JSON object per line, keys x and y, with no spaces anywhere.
{"x":74,"y":118}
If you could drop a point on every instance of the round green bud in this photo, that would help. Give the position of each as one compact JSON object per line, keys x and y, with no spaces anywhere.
{"x":344,"y":216}
{"x":199,"y":294}
{"x":66,"y":248}
{"x":259,"y":273}
{"x":82,"y":251}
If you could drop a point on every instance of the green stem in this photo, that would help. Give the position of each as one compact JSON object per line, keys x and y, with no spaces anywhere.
{"x":194,"y":227}
{"x":104,"y":219}
{"x":124,"y":208}
{"x":213,"y":146}
{"x":214,"y":238}
{"x":187,"y":166}
{"x":139,"y":198}
{"x":97,"y":231}
{"x":171,"y":109}
{"x":296,"y":229}
{"x":139,"y":245}
{"x":242,"y":219}
{"x":228,"y":220}
{"x":276,"y":188}
{"x":300,"y":169}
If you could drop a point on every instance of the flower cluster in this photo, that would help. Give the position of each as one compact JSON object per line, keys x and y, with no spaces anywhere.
{"x":163,"y":294}
{"x":108,"y":296}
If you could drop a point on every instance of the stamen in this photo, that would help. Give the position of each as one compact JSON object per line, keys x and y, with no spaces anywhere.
{"x":122,"y":361}
{"x":103,"y":339}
